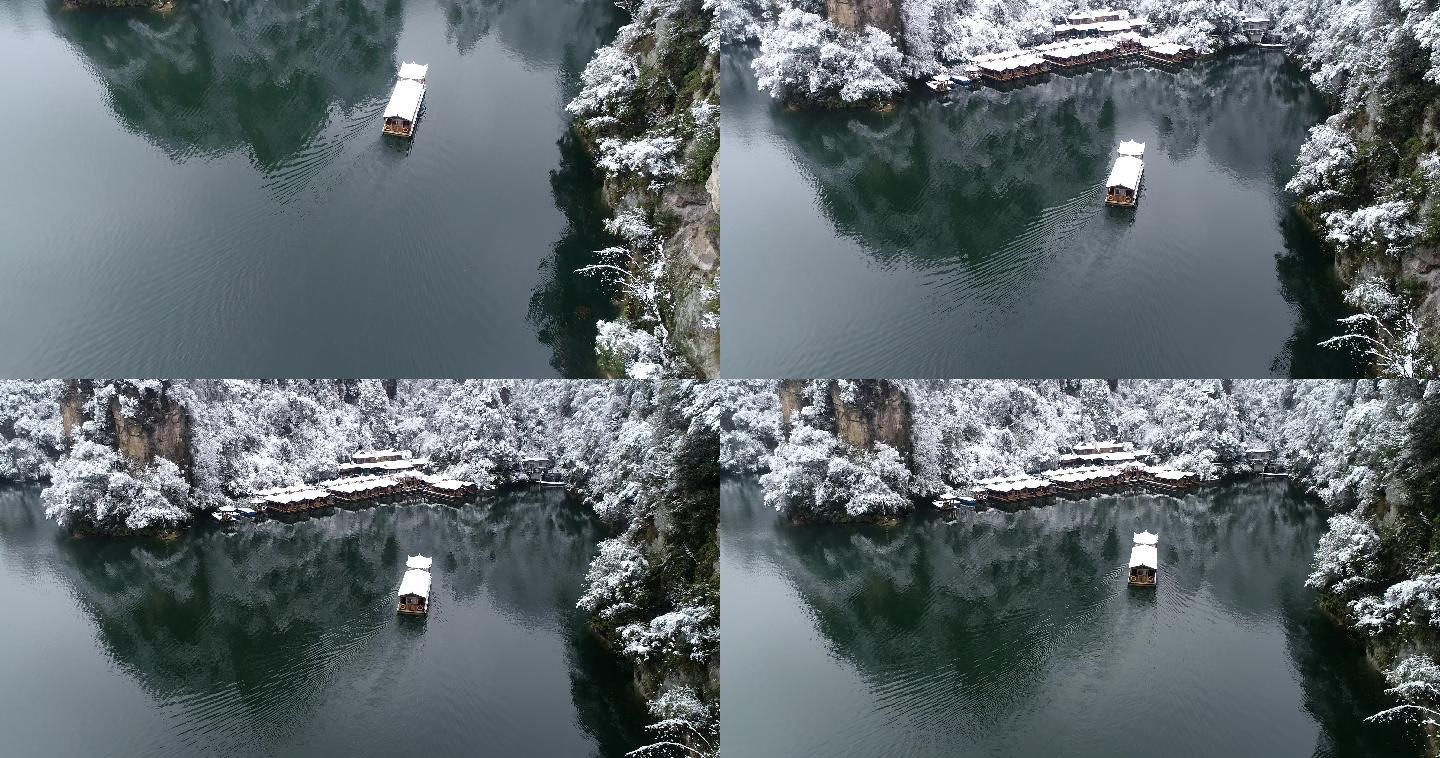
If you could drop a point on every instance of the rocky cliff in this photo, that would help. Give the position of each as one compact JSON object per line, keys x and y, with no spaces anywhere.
{"x":855,"y":15}
{"x":650,"y":113}
{"x":861,"y":412}
{"x":144,"y":421}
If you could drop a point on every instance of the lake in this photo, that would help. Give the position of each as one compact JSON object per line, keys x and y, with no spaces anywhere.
{"x":281,"y":639}
{"x":1015,"y":634}
{"x":208,"y":192}
{"x":966,"y":235}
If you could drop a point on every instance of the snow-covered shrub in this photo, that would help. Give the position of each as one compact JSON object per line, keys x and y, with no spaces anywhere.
{"x":813,"y":474}
{"x":94,"y":489}
{"x":636,"y":352}
{"x":615,"y":580}
{"x":650,"y":158}
{"x":804,"y":57}
{"x":685,"y":726}
{"x":607,"y":82}
{"x":749,"y":426}
{"x":1345,"y":559}
{"x":1386,"y":224}
{"x":1326,"y":163}
{"x":1412,"y":602}
{"x":1415,"y":682}
{"x":688,"y":632}
{"x":30,"y":433}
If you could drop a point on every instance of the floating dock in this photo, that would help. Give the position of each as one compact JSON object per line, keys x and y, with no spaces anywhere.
{"x":403,"y":110}
{"x":1123,"y":466}
{"x":1116,"y":39}
{"x":406,"y":481}
{"x":1123,"y":186}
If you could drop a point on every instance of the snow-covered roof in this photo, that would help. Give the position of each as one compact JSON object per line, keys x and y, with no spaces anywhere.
{"x":1146,"y":538}
{"x":382,"y":454}
{"x":227,"y":509}
{"x":416,"y":582}
{"x":418,"y":562}
{"x":405,"y":100}
{"x":416,"y":71}
{"x":1132,"y":148}
{"x":1165,"y":48}
{"x":1144,"y":555}
{"x":1126,"y":173}
{"x":360,"y":484}
{"x":1081,"y":17}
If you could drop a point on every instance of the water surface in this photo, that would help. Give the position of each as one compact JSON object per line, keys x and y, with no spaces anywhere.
{"x":208,"y":192}
{"x":281,"y":639}
{"x":966,"y":236}
{"x":1008,"y":634}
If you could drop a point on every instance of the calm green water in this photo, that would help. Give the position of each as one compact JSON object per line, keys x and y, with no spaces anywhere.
{"x":282,"y":639}
{"x":966,"y":236}
{"x":1015,"y":634}
{"x":209,"y":193}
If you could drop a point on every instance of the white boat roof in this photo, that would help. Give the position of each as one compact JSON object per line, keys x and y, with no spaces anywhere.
{"x":405,"y":100}
{"x":1131,"y":147}
{"x":1126,"y":173}
{"x":418,"y":562}
{"x":1144,"y":555}
{"x":1146,"y":538}
{"x":416,"y":582}
{"x":416,"y":71}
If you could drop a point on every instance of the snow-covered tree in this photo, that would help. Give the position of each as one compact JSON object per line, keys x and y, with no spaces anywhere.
{"x":1345,"y":559}
{"x":804,"y":57}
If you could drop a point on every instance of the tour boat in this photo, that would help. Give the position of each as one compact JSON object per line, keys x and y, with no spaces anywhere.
{"x":414,"y":594}
{"x":1123,"y":186}
{"x":552,"y":479}
{"x":1144,"y":560}
{"x":403,"y":110}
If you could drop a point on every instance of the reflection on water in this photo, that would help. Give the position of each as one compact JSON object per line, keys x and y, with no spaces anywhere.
{"x":210,"y":193}
{"x":965,"y":234}
{"x":1015,"y":634}
{"x":278,"y":638}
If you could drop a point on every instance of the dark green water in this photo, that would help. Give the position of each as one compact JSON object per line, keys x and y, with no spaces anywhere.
{"x":1015,"y":634}
{"x":209,"y":193}
{"x":282,"y":639}
{"x":966,"y":236}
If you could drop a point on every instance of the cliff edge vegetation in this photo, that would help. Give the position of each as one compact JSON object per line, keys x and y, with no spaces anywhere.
{"x":650,"y":113}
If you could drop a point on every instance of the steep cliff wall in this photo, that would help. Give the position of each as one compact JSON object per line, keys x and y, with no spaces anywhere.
{"x":141,"y":422}
{"x":860,"y":413}
{"x":855,"y":15}
{"x":650,"y":113}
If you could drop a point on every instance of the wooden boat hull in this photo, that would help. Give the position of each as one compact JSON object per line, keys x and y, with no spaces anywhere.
{"x":400,"y":131}
{"x":1140,"y":581}
{"x":402,"y":610}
